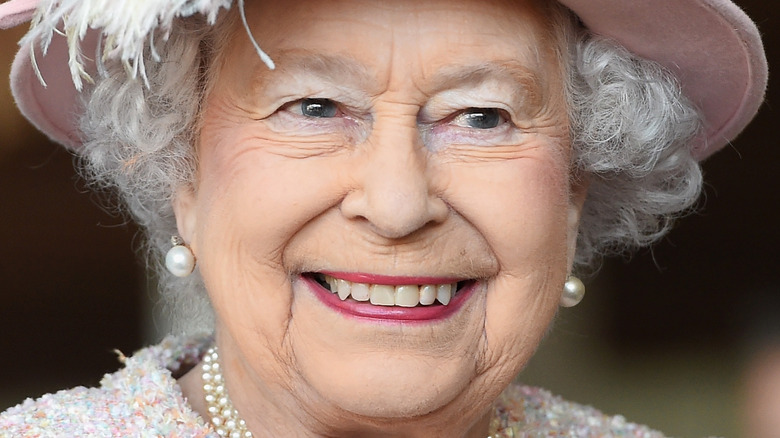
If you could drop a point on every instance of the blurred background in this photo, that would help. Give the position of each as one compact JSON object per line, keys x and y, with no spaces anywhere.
{"x":683,"y":337}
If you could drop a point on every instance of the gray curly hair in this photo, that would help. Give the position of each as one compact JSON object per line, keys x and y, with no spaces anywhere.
{"x":631,"y":129}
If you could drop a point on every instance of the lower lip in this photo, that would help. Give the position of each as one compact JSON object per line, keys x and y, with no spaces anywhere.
{"x":365,"y":310}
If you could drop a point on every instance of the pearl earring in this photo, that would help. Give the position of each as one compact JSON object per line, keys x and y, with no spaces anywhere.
{"x":573,"y":292}
{"x":179,"y":260}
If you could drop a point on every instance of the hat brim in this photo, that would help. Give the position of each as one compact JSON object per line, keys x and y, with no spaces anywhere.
{"x":711,"y":46}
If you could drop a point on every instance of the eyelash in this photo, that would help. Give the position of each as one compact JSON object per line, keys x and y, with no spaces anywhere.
{"x":464,"y":115}
{"x":290,"y":107}
{"x":452,"y":128}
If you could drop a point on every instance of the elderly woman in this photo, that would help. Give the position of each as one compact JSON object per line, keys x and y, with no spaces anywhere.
{"x":374,"y":207}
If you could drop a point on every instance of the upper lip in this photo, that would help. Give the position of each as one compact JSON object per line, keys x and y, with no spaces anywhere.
{"x":392,"y":280}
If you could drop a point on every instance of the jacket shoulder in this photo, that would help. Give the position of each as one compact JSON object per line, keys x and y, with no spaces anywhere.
{"x":531,"y":412}
{"x":140,"y":400}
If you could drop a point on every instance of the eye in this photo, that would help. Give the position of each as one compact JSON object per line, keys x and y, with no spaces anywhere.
{"x":319,"y":108}
{"x":480,"y":118}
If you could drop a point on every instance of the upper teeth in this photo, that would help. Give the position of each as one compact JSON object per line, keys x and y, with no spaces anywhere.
{"x":407,"y":295}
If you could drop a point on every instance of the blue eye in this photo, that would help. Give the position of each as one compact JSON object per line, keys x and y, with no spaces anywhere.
{"x":481,"y":118}
{"x":319,"y":108}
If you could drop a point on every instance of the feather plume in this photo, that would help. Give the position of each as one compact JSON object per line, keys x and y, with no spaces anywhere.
{"x":126,"y":26}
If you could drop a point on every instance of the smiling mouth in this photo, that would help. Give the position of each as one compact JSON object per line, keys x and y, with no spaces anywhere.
{"x":401,"y":295}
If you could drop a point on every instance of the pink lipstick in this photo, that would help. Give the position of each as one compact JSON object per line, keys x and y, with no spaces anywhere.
{"x":365,"y":310}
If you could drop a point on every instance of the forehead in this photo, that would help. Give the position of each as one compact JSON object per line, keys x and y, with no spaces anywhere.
{"x":382,"y":17}
{"x":364,"y":38}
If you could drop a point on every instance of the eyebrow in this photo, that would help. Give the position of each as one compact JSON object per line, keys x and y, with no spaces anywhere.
{"x":528,"y":83}
{"x":340,"y":69}
{"x":333,"y":68}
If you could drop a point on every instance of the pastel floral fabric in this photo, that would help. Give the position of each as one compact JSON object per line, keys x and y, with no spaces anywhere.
{"x":144,"y":400}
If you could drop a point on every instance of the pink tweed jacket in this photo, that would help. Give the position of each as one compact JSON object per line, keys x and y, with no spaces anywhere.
{"x":144,"y":400}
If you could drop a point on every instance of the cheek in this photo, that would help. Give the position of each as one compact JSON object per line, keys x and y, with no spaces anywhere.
{"x":519,"y":206}
{"x":260,"y":195}
{"x":250,"y":202}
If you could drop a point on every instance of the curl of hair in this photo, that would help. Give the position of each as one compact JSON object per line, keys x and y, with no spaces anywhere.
{"x":140,"y":142}
{"x":631,"y":128}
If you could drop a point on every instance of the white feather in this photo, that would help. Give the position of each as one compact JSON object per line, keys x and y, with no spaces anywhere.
{"x":126,"y":26}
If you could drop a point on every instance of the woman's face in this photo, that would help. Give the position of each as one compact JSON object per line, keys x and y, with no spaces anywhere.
{"x":399,"y":150}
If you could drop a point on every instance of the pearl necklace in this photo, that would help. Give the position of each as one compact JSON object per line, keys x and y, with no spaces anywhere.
{"x":224,"y":416}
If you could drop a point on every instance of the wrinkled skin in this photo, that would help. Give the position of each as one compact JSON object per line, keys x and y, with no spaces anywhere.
{"x":394,"y":174}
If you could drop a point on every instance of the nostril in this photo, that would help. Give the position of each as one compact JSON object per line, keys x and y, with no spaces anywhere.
{"x":394,"y":215}
{"x":438,"y":209}
{"x":394,"y":191}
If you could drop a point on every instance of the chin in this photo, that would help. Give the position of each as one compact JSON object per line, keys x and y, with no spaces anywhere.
{"x":382,"y":386}
{"x":386,"y":368}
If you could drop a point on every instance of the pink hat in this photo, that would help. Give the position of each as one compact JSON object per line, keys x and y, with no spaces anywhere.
{"x":712,"y":47}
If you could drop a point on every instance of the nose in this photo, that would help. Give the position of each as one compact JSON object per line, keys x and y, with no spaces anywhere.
{"x":395,"y":193}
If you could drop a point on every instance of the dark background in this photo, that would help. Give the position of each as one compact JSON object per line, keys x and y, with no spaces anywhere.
{"x":72,"y":289}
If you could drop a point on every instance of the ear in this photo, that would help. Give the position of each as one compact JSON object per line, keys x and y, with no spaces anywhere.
{"x":184,"y":207}
{"x":577,"y":195}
